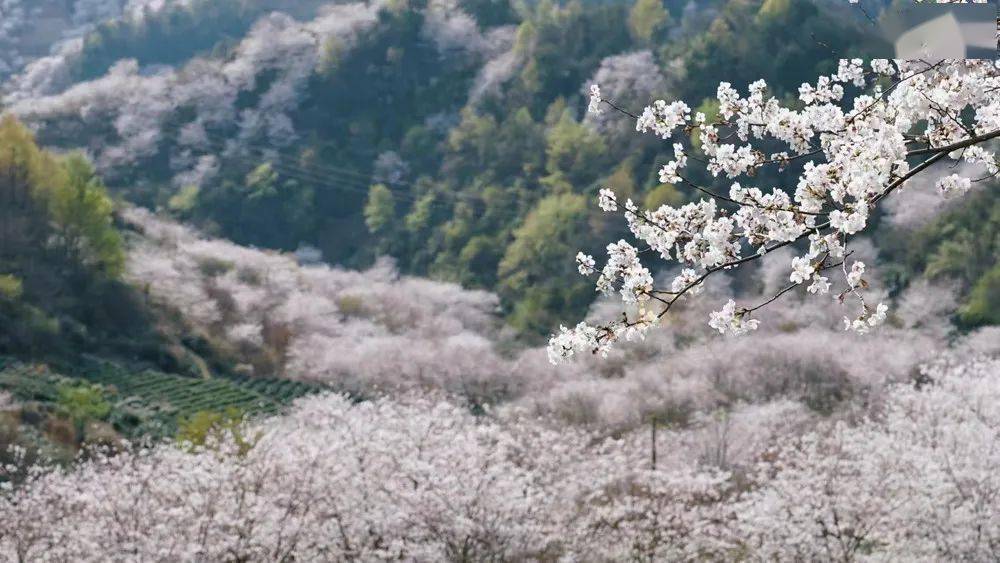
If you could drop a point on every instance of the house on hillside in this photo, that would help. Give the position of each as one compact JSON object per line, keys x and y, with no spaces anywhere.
{"x":943,"y":31}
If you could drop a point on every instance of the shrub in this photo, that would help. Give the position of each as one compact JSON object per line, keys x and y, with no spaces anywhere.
{"x":11,"y":287}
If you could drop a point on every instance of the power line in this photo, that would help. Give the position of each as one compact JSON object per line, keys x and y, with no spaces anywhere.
{"x":331,"y":176}
{"x":296,"y":171}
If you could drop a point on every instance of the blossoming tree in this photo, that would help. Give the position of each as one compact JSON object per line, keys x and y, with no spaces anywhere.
{"x":855,"y":137}
{"x":425,"y":480}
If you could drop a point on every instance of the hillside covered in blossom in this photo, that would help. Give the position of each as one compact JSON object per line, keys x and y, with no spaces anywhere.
{"x":491,"y":280}
{"x":443,"y":133}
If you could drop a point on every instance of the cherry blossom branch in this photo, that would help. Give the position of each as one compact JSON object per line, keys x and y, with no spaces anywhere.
{"x":618,"y":109}
{"x":864,"y":160}
{"x":751,"y":203}
{"x":885,"y":93}
{"x":978,"y":139}
{"x":792,"y":286}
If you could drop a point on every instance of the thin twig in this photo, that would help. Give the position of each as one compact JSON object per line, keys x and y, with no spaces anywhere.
{"x":616,"y":108}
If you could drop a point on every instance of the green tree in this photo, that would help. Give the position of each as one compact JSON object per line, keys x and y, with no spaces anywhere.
{"x":574,"y":153}
{"x":775,"y":10}
{"x":82,"y":214}
{"x":25,"y":227}
{"x":538,"y":278}
{"x":646,"y":19}
{"x":983,"y":306}
{"x":261,"y":182}
{"x":480,"y":258}
{"x":622,"y":180}
{"x":663,"y":194}
{"x":208,"y":428}
{"x":185,"y":200}
{"x":380,"y":210}
{"x":82,"y":404}
{"x":11,"y":287}
{"x":420,"y":217}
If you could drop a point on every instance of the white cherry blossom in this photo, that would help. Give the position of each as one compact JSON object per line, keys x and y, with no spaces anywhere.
{"x":595,"y":99}
{"x":853,"y":151}
{"x":607,"y":200}
{"x":954,"y":184}
{"x":732,"y":320}
{"x":802,"y":270}
{"x":584,"y":263}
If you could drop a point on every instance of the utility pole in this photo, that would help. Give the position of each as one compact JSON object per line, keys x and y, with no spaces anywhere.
{"x":652,"y":427}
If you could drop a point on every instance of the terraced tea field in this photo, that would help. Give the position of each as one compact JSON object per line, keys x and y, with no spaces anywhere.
{"x":150,"y":395}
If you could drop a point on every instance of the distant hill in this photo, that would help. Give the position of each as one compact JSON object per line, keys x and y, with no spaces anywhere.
{"x":444,"y":133}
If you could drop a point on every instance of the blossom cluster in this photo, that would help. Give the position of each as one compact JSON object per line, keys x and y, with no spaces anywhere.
{"x":853,"y":153}
{"x":954,"y":184}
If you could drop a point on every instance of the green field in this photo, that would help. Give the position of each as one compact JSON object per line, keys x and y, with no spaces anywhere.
{"x":149,"y":401}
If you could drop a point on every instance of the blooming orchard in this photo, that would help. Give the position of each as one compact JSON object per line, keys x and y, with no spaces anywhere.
{"x":855,"y":137}
{"x":915,"y":483}
{"x":423,"y":480}
{"x":375,"y":333}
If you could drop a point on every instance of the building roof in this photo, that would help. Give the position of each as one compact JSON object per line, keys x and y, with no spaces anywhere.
{"x":943,"y":31}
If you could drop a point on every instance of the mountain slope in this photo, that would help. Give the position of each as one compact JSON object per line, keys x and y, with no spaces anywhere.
{"x":465,"y":114}
{"x":84,"y":354}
